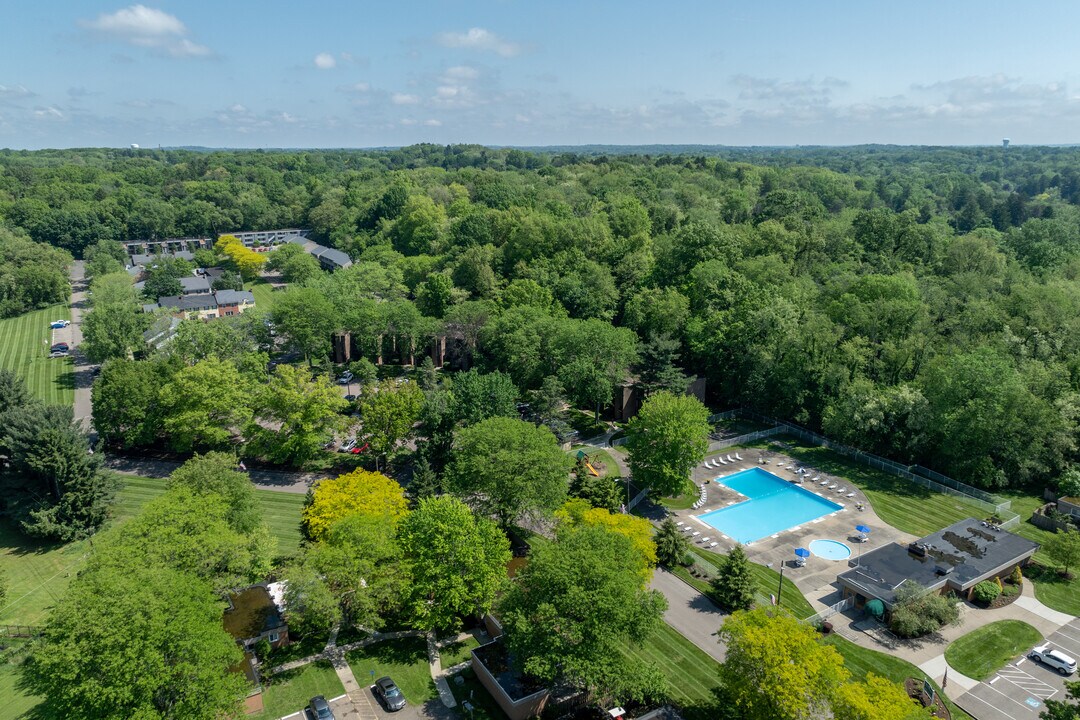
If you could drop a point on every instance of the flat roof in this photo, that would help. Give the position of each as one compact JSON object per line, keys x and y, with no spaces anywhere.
{"x":189,"y":302}
{"x":960,"y":555}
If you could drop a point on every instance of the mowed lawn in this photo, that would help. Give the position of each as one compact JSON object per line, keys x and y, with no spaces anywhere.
{"x":39,"y":572}
{"x":1050,"y":587}
{"x":861,"y":661}
{"x":265,"y":297}
{"x":984,"y":651}
{"x":692,"y":675}
{"x":906,"y":506}
{"x":15,"y":702}
{"x":280,"y":510}
{"x":405,"y":660}
{"x":24,"y":348}
{"x":289,"y":692}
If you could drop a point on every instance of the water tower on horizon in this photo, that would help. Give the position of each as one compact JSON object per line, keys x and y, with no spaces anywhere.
{"x":1005,"y":142}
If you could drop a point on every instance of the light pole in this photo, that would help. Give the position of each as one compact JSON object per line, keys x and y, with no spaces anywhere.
{"x":780,"y":587}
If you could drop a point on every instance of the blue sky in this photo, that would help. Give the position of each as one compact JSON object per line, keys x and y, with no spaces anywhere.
{"x":239,"y":73}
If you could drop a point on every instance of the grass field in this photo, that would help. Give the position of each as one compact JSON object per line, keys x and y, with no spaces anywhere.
{"x":597,"y":455}
{"x":15,"y":702}
{"x":265,"y":297}
{"x":24,"y":348}
{"x":860,"y":661}
{"x":982,"y":652}
{"x":281,"y":510}
{"x":405,"y":660}
{"x":39,"y":572}
{"x":289,"y":692}
{"x":766,"y":579}
{"x":691,"y":674}
{"x":1050,"y":588}
{"x":907,"y":507}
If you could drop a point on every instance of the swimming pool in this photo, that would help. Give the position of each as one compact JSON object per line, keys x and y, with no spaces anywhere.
{"x":773,"y":505}
{"x":830,"y":549}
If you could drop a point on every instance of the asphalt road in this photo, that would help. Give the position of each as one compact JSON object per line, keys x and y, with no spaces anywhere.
{"x":84,"y":378}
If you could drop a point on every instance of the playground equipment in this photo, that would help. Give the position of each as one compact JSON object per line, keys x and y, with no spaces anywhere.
{"x":585,"y":458}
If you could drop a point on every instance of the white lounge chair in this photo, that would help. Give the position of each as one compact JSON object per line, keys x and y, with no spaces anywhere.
{"x":730,"y":460}
{"x":831,"y":486}
{"x":679,"y":524}
{"x":713,"y":544}
{"x":705,"y":540}
{"x":824,"y":481}
{"x":738,"y":457}
{"x":841,"y":490}
{"x":850,"y":495}
{"x":721,"y":461}
{"x":815,"y":478}
{"x":695,"y":533}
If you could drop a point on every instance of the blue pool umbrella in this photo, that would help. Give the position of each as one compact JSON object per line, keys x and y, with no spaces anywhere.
{"x":863,"y":529}
{"x":802,"y":552}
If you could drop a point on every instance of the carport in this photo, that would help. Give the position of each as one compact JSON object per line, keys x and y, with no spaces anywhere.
{"x":1019,"y":690}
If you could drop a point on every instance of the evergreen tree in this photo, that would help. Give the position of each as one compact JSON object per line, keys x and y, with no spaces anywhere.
{"x":734,"y":587}
{"x":657,"y":368}
{"x":425,"y":482}
{"x":671,"y":543}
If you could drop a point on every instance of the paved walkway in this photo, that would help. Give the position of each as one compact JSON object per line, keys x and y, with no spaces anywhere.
{"x":291,"y":482}
{"x":83,"y":375}
{"x":692,"y":614}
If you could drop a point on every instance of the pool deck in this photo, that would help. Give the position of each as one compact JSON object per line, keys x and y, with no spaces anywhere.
{"x":817,"y":580}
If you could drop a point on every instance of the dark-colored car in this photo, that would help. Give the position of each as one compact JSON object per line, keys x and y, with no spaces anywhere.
{"x":60,"y":346}
{"x":389,"y":693}
{"x":319,"y":709}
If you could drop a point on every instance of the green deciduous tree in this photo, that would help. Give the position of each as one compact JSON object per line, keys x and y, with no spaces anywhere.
{"x":126,"y":413}
{"x":1063,"y":547}
{"x":666,"y":440}
{"x":573,"y":608}
{"x":205,"y":405}
{"x":733,"y":584}
{"x":1068,"y":709}
{"x":388,"y":412}
{"x":456,"y":560}
{"x":216,"y":473}
{"x":305,"y":412}
{"x":138,"y":642}
{"x":306,"y":318}
{"x":478,"y":396}
{"x":508,"y":468}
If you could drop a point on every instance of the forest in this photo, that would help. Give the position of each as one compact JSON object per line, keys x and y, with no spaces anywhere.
{"x":918,"y":303}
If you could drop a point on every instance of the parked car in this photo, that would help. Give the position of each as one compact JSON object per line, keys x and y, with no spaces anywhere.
{"x":346,"y":378}
{"x":320,"y":709}
{"x":350,"y":398}
{"x":58,"y":324}
{"x":1055,"y":659}
{"x":347,"y":445}
{"x":389,"y":693}
{"x":60,"y":346}
{"x":58,"y":353}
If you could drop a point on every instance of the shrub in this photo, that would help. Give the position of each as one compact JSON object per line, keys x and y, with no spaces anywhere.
{"x":986,"y":592}
{"x":1016,"y":577}
{"x":920,"y":613}
{"x":688,"y":559}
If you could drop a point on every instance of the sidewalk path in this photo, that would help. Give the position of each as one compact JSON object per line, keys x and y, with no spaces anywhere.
{"x":291,"y":482}
{"x":83,"y":368}
{"x":693,"y":615}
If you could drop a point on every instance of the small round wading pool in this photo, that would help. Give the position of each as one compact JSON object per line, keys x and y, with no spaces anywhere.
{"x":830,"y":549}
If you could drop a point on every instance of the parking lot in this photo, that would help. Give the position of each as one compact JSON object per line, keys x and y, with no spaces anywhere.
{"x":1019,"y":690}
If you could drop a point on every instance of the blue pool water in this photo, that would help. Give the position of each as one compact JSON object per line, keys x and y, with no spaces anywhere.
{"x":774,"y":505}
{"x":830,"y":549}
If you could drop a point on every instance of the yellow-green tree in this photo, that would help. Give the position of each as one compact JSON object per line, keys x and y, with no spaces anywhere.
{"x":360,"y":492}
{"x":877,"y":698}
{"x":248,"y":262}
{"x":776,"y":669}
{"x":639,"y":530}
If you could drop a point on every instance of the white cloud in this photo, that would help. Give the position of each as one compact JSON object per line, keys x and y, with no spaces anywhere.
{"x":433,"y":122}
{"x":408,"y":122}
{"x":146,"y":27}
{"x":13,"y":92}
{"x":49,"y":112}
{"x":404,"y":99}
{"x":479,"y":39}
{"x":325,"y":61}
{"x":360,"y":87}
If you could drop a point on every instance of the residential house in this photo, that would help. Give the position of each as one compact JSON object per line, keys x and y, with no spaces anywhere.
{"x":143,"y":260}
{"x":233,"y":302}
{"x":955,"y":559}
{"x":201,"y":307}
{"x":168,"y":245}
{"x":257,"y":613}
{"x":161,"y":331}
{"x":194,"y":285}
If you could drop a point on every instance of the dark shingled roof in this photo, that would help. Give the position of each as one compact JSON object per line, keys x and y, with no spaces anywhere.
{"x":251,"y":613}
{"x":961,"y":555}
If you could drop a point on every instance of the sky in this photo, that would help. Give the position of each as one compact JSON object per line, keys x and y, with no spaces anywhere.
{"x":365,"y":73}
